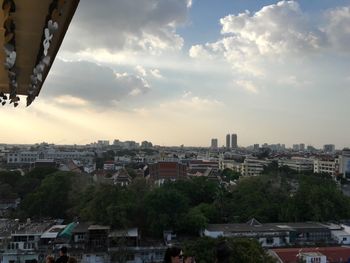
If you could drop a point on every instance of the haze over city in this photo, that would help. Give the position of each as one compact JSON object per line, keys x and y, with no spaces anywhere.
{"x":183,"y":72}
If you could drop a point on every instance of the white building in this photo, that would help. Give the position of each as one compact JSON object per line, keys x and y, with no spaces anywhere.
{"x":297,"y":164}
{"x":325,"y":166}
{"x":230,"y":164}
{"x":28,"y":157}
{"x":252,"y":166}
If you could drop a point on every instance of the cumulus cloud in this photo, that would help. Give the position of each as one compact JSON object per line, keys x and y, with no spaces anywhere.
{"x":338,"y":28}
{"x":148,"y":25}
{"x":255,"y":42}
{"x":155,"y":73}
{"x":85,"y":83}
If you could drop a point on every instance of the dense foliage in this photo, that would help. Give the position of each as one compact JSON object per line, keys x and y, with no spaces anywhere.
{"x":240,"y":250}
{"x":185,"y":206}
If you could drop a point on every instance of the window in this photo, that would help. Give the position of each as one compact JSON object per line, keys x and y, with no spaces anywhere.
{"x":269,"y":240}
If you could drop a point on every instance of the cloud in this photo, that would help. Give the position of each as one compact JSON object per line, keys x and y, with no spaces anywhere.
{"x":248,"y":86}
{"x":338,"y":28}
{"x":276,"y":28}
{"x":148,"y":25}
{"x":85,"y":83}
{"x":255,"y":42}
{"x":155,"y":73}
{"x":198,"y":51}
{"x":189,"y":102}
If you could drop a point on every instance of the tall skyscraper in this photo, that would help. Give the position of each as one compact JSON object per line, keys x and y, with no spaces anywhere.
{"x":228,"y":144}
{"x":234,"y":140}
{"x":214,"y":143}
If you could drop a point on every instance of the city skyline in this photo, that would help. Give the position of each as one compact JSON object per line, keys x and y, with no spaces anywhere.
{"x":214,"y":143}
{"x":182,"y":72}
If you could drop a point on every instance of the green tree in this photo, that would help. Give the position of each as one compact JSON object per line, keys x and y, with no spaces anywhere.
{"x":230,"y":175}
{"x":51,"y":198}
{"x":165,"y":208}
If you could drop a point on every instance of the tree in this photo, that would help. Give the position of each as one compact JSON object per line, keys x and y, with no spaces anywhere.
{"x":193,"y":222}
{"x":51,"y":198}
{"x":242,"y":250}
{"x":165,"y":208}
{"x":230,"y":175}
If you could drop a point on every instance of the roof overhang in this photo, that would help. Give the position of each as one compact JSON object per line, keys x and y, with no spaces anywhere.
{"x":31,"y":35}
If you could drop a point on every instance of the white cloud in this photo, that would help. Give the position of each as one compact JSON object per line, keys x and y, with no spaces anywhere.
{"x":141,"y":70}
{"x":70,"y":101}
{"x":248,"y":86}
{"x":156,"y":73}
{"x":198,"y":51}
{"x":148,"y":25}
{"x":189,"y":102}
{"x":277,"y":30}
{"x":338,"y":28}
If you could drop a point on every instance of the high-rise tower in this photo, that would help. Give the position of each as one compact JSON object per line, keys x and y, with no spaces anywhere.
{"x":234,"y":140}
{"x":228,"y":144}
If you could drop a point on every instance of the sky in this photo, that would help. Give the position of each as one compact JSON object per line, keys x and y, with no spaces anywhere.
{"x":182,"y":72}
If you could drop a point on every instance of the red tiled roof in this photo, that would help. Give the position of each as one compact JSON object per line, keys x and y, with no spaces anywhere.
{"x":333,"y":254}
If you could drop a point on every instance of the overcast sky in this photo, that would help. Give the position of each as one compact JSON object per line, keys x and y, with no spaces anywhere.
{"x":182,"y":72}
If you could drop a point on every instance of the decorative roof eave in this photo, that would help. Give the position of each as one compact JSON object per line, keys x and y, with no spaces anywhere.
{"x":60,"y":15}
{"x":33,"y":24}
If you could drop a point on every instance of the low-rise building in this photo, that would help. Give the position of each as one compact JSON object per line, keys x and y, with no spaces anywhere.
{"x":297,"y":164}
{"x":252,"y":166}
{"x":28,"y":157}
{"x":273,"y":234}
{"x":327,"y":166}
{"x":165,"y":170}
{"x":311,"y":254}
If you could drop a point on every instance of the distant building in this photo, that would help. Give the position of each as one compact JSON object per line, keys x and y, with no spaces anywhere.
{"x":344,"y":164}
{"x":167,"y":170}
{"x":214,"y":143}
{"x":146,"y":144}
{"x":102,"y":143}
{"x":273,"y":234}
{"x":311,"y":254}
{"x":252,"y":166}
{"x":297,"y":164}
{"x":296,"y":147}
{"x":329,"y":148}
{"x":327,"y":166}
{"x":30,"y":157}
{"x":196,"y":164}
{"x":228,"y":144}
{"x":234,"y":141}
{"x":256,"y":147}
{"x":230,"y":164}
{"x":109,"y":165}
{"x":302,"y":147}
{"x":129,"y":144}
{"x":310,"y":148}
